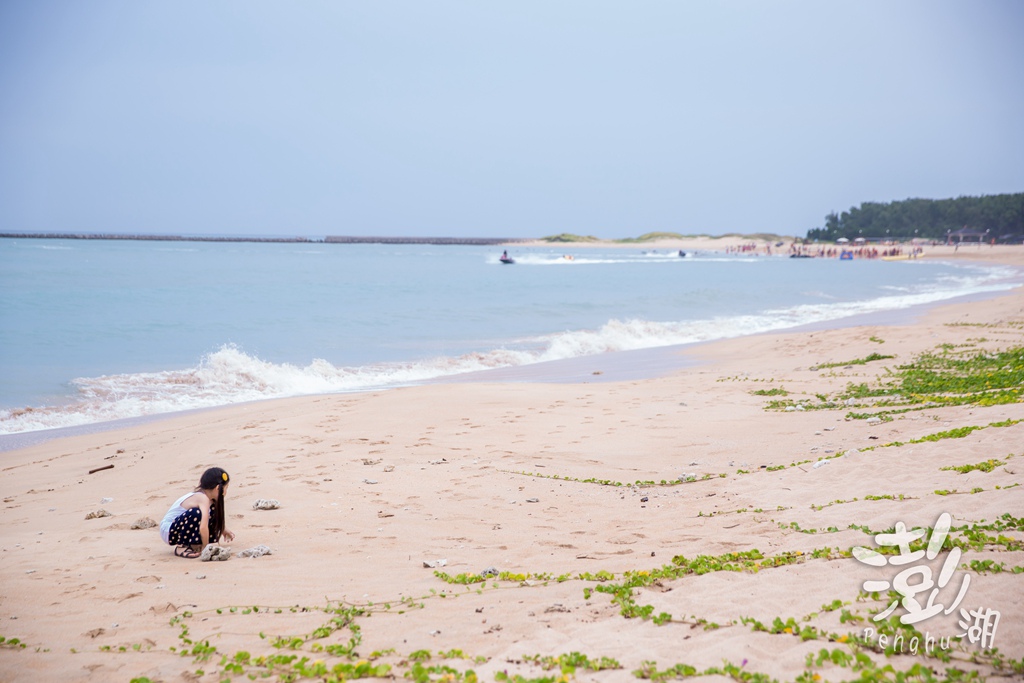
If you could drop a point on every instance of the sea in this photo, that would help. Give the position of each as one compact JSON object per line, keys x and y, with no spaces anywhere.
{"x":97,"y":330}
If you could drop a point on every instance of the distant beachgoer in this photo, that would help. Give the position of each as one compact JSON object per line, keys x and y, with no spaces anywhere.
{"x":197,"y":518}
{"x":504,"y":254}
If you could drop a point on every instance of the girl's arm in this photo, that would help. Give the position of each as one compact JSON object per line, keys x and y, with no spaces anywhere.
{"x":204,"y":522}
{"x":228,"y":535}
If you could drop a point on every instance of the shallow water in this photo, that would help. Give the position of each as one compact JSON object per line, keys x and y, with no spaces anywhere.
{"x":94,"y":330}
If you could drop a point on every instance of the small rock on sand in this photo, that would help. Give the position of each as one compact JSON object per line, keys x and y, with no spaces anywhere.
{"x":97,"y":514}
{"x":266,"y":504}
{"x":143,"y":523}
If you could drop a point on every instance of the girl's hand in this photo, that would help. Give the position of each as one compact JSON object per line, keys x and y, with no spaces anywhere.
{"x":229,"y":535}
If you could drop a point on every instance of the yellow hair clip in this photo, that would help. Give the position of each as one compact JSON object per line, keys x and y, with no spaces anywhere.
{"x":224,"y":476}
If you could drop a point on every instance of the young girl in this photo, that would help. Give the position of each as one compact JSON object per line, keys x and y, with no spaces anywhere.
{"x":197,"y":518}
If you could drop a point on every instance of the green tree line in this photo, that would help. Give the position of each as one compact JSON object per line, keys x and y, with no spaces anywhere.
{"x":1002,"y":215}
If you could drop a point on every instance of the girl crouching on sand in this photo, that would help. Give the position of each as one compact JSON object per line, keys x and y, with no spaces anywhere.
{"x":197,"y":518}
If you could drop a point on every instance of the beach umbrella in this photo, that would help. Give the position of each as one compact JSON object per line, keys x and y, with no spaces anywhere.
{"x":842,"y":240}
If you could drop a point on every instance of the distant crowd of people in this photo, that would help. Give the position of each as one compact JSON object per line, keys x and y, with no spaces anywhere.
{"x":750,"y":248}
{"x":823,"y":251}
{"x":840,"y":251}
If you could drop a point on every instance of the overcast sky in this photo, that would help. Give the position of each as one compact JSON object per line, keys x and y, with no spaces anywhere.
{"x":521,"y":118}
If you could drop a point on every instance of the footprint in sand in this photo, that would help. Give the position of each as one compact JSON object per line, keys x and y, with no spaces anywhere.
{"x":163,"y":609}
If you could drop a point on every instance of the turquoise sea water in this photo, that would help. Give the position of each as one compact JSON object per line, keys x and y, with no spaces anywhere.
{"x":93,"y":330}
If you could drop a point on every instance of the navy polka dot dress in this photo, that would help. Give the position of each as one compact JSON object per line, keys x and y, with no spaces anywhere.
{"x":185,"y":529}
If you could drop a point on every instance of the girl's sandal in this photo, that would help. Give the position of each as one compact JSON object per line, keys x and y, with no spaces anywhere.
{"x":186,"y":552}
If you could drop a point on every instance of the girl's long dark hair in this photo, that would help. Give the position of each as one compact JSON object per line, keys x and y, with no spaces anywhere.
{"x":215,"y":477}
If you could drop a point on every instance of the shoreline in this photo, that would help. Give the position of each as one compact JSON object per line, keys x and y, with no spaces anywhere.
{"x":646,"y":486}
{"x":977,"y":251}
{"x":617,"y":366}
{"x":1009,"y":254}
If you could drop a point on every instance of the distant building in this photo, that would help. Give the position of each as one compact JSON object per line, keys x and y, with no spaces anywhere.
{"x":965,"y":234}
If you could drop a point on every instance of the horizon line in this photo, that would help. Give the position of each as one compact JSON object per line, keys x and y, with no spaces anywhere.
{"x":327,"y":239}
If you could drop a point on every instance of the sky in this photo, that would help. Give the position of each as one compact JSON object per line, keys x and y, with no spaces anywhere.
{"x":499,"y":119}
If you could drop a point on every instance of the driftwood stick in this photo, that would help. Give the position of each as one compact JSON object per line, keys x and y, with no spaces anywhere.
{"x":100,"y":469}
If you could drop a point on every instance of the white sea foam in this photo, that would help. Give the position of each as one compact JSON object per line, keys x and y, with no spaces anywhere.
{"x":587,"y":259}
{"x":230,"y":375}
{"x":569,"y":259}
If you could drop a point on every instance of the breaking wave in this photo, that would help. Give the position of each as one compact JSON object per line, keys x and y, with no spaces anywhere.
{"x":230,"y":375}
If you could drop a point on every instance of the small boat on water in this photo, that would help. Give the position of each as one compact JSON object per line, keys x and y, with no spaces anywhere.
{"x":507,"y":259}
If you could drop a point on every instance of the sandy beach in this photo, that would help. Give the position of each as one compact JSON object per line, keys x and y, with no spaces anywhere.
{"x":968,"y":251}
{"x":598,"y":530}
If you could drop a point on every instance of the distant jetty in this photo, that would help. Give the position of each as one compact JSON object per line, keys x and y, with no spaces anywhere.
{"x":425,"y":240}
{"x":302,"y":240}
{"x":342,"y":240}
{"x":147,"y":238}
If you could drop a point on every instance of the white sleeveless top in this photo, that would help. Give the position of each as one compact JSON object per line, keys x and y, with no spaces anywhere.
{"x":172,"y":514}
